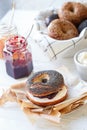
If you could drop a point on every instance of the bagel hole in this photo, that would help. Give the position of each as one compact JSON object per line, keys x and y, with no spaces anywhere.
{"x":63,"y":30}
{"x":44,"y":80}
{"x":71,"y":9}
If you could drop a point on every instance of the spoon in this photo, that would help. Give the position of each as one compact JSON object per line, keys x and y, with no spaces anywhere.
{"x":12,"y":13}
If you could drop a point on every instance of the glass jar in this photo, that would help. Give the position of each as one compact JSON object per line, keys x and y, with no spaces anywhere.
{"x":6,"y":31}
{"x":18,"y":57}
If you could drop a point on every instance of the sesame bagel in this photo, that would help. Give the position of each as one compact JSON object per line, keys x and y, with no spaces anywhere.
{"x":61,"y":29}
{"x":74,"y":12}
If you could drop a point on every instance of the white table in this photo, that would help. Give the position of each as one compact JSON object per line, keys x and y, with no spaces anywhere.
{"x":11,"y":116}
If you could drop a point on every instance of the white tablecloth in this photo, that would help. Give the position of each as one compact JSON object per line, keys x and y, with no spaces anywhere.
{"x":11,"y":116}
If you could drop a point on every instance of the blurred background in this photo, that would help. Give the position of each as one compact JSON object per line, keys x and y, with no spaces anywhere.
{"x":6,"y":5}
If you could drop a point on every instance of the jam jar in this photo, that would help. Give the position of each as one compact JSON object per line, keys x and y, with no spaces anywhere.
{"x":18,"y":57}
{"x":5,"y":32}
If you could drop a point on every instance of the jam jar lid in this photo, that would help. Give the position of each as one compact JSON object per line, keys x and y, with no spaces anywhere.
{"x":16,"y":43}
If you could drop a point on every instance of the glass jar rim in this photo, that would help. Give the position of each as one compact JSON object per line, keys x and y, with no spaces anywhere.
{"x":15,"y":43}
{"x":6,"y":29}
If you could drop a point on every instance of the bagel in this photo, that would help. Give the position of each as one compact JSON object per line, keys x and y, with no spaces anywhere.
{"x":61,"y":29}
{"x":74,"y":12}
{"x":46,"y":88}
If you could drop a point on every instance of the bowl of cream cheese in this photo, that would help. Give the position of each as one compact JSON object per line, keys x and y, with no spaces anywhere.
{"x":80,"y":59}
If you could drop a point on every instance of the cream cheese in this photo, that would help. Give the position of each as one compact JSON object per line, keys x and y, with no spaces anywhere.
{"x":82,"y":57}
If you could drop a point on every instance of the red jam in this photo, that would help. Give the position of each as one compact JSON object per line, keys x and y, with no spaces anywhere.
{"x":18,"y":57}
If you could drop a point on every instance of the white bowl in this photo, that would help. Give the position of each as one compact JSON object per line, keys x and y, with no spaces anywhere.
{"x":81,"y":67}
{"x":57,"y":48}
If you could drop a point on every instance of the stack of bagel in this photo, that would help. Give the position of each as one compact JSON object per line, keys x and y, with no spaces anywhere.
{"x":70,"y":16}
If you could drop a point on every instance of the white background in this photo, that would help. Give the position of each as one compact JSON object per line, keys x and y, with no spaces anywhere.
{"x":11,"y":116}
